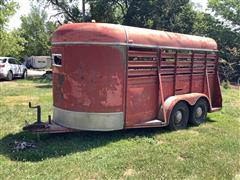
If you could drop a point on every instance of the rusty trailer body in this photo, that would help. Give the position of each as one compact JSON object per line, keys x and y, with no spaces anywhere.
{"x":111,"y":77}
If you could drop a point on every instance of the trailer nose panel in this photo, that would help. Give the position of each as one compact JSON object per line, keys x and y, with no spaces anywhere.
{"x":88,"y":87}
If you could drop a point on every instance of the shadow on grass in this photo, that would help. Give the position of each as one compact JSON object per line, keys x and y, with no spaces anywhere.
{"x":44,"y":86}
{"x":38,"y":80}
{"x":56,"y":145}
{"x":210,"y":120}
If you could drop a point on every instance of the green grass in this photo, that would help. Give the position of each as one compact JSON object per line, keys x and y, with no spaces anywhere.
{"x":210,"y":151}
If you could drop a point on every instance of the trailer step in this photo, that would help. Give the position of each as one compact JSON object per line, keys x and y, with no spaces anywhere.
{"x":152,"y":123}
{"x":216,"y":109}
{"x":155,"y":121}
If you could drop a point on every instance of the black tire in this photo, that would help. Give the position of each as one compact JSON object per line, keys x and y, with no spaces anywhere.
{"x":24,"y":75}
{"x":179,"y":116}
{"x":9,"y":76}
{"x":198,"y":112}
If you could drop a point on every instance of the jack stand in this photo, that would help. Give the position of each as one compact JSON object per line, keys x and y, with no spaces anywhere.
{"x":38,"y":112}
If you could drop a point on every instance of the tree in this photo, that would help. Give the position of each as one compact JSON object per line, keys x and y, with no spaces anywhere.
{"x":185,"y":20}
{"x":207,"y":25}
{"x":69,"y":10}
{"x":36,"y":30}
{"x":229,"y":33}
{"x":227,"y":40}
{"x":106,"y":11}
{"x":170,"y":15}
{"x":11,"y":42}
{"x":7,"y":9}
{"x":227,"y":9}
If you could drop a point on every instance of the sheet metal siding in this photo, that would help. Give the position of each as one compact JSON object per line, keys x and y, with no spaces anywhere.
{"x":91,"y":79}
{"x":184,"y":79}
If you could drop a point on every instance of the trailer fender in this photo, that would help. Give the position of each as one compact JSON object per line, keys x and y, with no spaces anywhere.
{"x":190,"y":99}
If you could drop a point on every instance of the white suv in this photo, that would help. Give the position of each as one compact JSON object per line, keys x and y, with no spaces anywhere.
{"x":10,"y":68}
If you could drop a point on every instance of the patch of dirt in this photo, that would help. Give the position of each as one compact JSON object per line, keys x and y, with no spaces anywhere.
{"x":24,"y":85}
{"x":159,"y":141}
{"x":129,"y":172}
{"x":14,"y":84}
{"x":18,"y":100}
{"x":235,"y":86}
{"x":180,"y":158}
{"x":8,"y":83}
{"x":193,"y":132}
{"x":237,"y":177}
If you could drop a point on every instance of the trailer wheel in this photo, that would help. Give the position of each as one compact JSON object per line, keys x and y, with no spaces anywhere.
{"x":198,"y":113}
{"x":179,"y":116}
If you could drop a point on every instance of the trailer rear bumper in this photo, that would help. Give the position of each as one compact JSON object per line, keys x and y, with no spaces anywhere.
{"x":88,"y":121}
{"x":71,"y":121}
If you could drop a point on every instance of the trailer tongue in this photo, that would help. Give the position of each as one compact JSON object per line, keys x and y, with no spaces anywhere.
{"x":44,"y":127}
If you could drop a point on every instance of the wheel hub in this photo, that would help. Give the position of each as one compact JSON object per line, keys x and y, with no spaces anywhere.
{"x":178,"y":116}
{"x":199,"y":112}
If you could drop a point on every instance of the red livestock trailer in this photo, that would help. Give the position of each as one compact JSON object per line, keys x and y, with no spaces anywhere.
{"x":110,"y":77}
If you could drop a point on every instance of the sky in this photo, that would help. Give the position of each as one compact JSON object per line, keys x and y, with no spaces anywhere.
{"x":24,"y":9}
{"x":25,"y":6}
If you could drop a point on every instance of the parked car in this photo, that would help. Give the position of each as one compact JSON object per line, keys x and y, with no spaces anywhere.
{"x":11,"y":68}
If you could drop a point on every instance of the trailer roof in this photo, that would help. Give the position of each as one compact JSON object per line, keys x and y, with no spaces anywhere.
{"x":114,"y":34}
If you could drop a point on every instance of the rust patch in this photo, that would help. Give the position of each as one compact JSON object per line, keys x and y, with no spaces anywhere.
{"x":61,"y":79}
{"x":57,"y":88}
{"x":193,"y":132}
